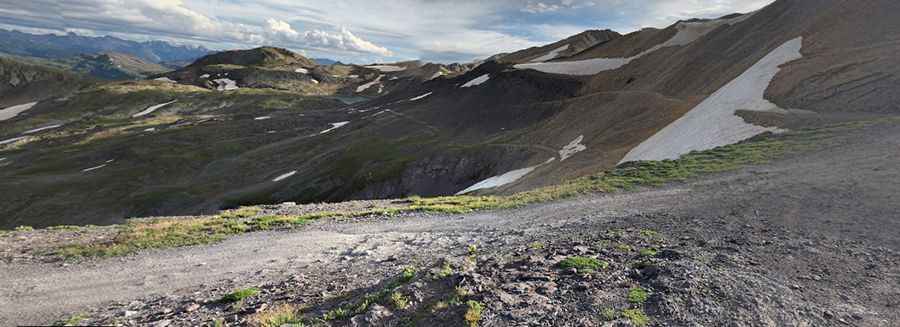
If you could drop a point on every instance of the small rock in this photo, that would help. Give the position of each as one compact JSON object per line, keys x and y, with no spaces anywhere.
{"x":828,"y":314}
{"x":162,"y":323}
{"x":129,"y":313}
{"x":191,"y":307}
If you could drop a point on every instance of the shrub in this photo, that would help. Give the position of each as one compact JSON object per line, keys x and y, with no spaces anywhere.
{"x":584,"y":264}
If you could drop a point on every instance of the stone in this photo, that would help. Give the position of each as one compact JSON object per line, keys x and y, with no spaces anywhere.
{"x":191,"y":307}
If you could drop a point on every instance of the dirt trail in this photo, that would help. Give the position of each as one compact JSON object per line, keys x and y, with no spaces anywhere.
{"x":848,"y":191}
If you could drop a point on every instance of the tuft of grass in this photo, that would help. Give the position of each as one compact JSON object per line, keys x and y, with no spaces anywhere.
{"x":637,"y":317}
{"x":24,"y":228}
{"x":622,"y":247}
{"x":537,"y":245}
{"x":242,"y":212}
{"x":379,"y":296}
{"x":637,"y":295}
{"x":399,"y":301}
{"x":473,"y":313}
{"x":609,"y":314}
{"x":583,"y":264}
{"x":648,"y":252}
{"x":285,"y":314}
{"x":446,"y":270}
{"x":239,"y":295}
{"x":407,"y":275}
{"x":72,"y":321}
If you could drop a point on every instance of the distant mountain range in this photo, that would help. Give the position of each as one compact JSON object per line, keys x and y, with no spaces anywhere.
{"x":50,"y":46}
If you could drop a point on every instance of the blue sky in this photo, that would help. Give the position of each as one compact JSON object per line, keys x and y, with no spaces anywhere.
{"x":359,"y":31}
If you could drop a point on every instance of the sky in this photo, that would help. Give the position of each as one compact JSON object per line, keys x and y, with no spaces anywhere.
{"x":359,"y":31}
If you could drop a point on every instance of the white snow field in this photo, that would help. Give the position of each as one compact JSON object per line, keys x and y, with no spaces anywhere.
{"x":421,"y":97}
{"x":387,"y":68}
{"x":12,"y":140}
{"x":13,"y":111}
{"x":713,"y":122}
{"x":262,"y":118}
{"x":551,"y":55}
{"x":501,"y":180}
{"x":436,"y":75}
{"x":40,"y":129}
{"x":572,"y":148}
{"x":165,"y":79}
{"x":687,"y":32}
{"x":225,"y":84}
{"x":369,"y":84}
{"x":204,"y":76}
{"x":93,"y":168}
{"x":478,"y":80}
{"x":335,"y":126}
{"x":504,"y":179}
{"x":151,"y":109}
{"x":301,"y":70}
{"x":284,"y":176}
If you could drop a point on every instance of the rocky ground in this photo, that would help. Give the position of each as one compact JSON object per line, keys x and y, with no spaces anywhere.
{"x":808,"y":240}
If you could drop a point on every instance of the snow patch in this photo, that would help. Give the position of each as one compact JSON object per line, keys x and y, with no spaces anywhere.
{"x":572,"y":148}
{"x":369,"y":84}
{"x":12,"y":140}
{"x":165,"y":79}
{"x":315,"y":81}
{"x":13,"y":111}
{"x":151,"y":109}
{"x":301,"y":70}
{"x":436,"y":75}
{"x":262,"y":118}
{"x":387,"y":68}
{"x":713,"y":122}
{"x":551,"y":55}
{"x":225,"y":84}
{"x":478,"y":80}
{"x":204,"y":76}
{"x":504,"y":179}
{"x":93,"y":168}
{"x":421,"y":96}
{"x":284,"y":176}
{"x":335,"y":126}
{"x":39,"y":129}
{"x":500,"y":180}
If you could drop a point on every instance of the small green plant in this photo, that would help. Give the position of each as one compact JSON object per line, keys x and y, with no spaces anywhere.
{"x":399,"y":301}
{"x":446,"y":270}
{"x":473,"y":249}
{"x":24,"y":228}
{"x":336,"y":314}
{"x":278,"y":316}
{"x":239,"y":295}
{"x":537,"y":245}
{"x":624,"y":247}
{"x":242,"y":212}
{"x":648,"y":252}
{"x":440,"y":306}
{"x":473,"y":313}
{"x":583,"y":264}
{"x":637,"y":295}
{"x":407,"y":275}
{"x":72,"y":321}
{"x":648,"y":233}
{"x":636,"y":316}
{"x":218,"y":323}
{"x":609,"y":314}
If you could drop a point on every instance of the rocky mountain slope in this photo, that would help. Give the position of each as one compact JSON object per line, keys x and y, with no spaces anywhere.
{"x":231,"y":130}
{"x":116,"y":66}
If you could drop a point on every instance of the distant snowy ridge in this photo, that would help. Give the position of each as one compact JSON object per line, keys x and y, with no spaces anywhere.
{"x":478,"y":80}
{"x":688,"y":32}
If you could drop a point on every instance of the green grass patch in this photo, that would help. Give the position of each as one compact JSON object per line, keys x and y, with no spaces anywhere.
{"x":24,"y":228}
{"x":648,"y":252}
{"x":399,"y":301}
{"x":609,"y":314}
{"x":384,"y":294}
{"x":638,"y":295}
{"x":636,"y":316}
{"x":72,"y":321}
{"x":473,"y":313}
{"x":583,"y":264}
{"x":239,"y":295}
